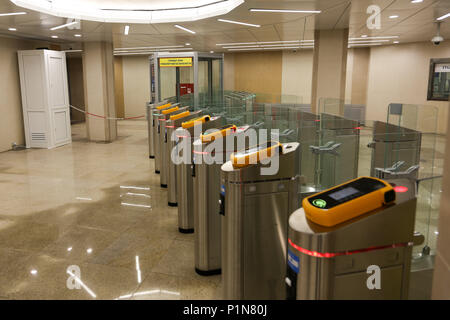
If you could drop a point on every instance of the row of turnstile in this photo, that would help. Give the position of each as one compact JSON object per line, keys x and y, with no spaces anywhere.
{"x":249,"y":225}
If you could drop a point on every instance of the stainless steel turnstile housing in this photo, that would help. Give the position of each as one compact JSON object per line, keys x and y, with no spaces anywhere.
{"x":162,"y":137}
{"x":185,"y":173}
{"x":169,"y":145}
{"x":333,"y":262}
{"x":393,"y":145}
{"x":155,"y":134}
{"x":149,"y":110}
{"x":207,"y":221}
{"x":255,"y":225}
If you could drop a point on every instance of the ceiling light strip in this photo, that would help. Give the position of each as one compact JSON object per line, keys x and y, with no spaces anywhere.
{"x":184,"y":29}
{"x":263,"y":42}
{"x":64,"y":25}
{"x":378,"y":37}
{"x":142,"y":48}
{"x":445,"y":16}
{"x":12,"y":14}
{"x":284,"y":10}
{"x":241,"y":23}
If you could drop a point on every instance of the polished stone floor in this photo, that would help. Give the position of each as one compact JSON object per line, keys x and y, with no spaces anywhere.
{"x":98,"y":207}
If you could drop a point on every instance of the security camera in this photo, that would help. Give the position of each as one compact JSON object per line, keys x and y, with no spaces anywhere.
{"x":437,"y":39}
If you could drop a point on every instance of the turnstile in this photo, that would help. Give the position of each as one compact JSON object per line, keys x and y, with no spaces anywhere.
{"x":337,"y":152}
{"x":169,"y":145}
{"x":155,"y":134}
{"x":254,"y":226}
{"x":208,"y":158}
{"x":149,"y":110}
{"x":162,"y":137}
{"x":367,"y":257}
{"x":395,"y":151}
{"x":185,"y":172}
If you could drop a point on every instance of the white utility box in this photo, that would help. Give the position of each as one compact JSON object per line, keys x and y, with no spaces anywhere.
{"x":45,"y":98}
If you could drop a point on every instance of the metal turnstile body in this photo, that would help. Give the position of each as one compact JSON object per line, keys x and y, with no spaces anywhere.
{"x":155,"y":137}
{"x":338,"y":151}
{"x":149,"y":110}
{"x":255,"y":225}
{"x":207,"y":220}
{"x":162,"y":137}
{"x":185,"y":173}
{"x":334,"y":262}
{"x":394,"y":145}
{"x":169,"y":145}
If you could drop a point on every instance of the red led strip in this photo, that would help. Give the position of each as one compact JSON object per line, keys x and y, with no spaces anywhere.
{"x":344,"y":253}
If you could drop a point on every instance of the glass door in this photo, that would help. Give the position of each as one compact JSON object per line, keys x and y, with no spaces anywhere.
{"x":210,"y":87}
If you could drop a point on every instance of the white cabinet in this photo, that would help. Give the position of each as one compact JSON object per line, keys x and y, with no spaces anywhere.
{"x":45,"y":98}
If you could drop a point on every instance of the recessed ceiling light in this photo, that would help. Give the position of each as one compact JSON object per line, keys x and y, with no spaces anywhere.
{"x":64,"y":25}
{"x":55,"y":37}
{"x":364,"y":36}
{"x":126,"y":30}
{"x":33,"y":272}
{"x":187,"y":44}
{"x":396,"y":42}
{"x":444,"y":16}
{"x":12,"y":14}
{"x":416,"y":1}
{"x":241,"y":23}
{"x":184,"y":29}
{"x":211,"y":51}
{"x":12,"y":29}
{"x":394,"y":16}
{"x":77,"y":35}
{"x":285,"y":10}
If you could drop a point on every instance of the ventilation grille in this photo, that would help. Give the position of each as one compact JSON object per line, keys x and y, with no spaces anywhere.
{"x":38,"y":136}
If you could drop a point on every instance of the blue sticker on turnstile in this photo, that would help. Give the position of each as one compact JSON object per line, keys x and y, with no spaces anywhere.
{"x":222,"y":190}
{"x":293,"y":261}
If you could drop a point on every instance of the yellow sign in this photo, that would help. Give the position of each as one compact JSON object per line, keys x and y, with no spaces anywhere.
{"x":175,"y":62}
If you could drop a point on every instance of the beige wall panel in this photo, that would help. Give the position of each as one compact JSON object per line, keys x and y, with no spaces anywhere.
{"x":399,"y":73}
{"x":136,"y":84}
{"x":359,"y":75}
{"x":297,"y":76}
{"x":118,"y":87}
{"x":228,"y":71}
{"x":259,"y":72}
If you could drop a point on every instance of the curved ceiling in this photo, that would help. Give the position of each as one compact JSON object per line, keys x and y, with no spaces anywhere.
{"x":137,"y":11}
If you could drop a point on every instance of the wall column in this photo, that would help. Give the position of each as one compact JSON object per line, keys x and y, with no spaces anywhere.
{"x":329,"y":65}
{"x":98,"y":72}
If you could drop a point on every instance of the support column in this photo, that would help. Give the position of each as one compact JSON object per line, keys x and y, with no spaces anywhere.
{"x":98,"y":73}
{"x":329,"y":65}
